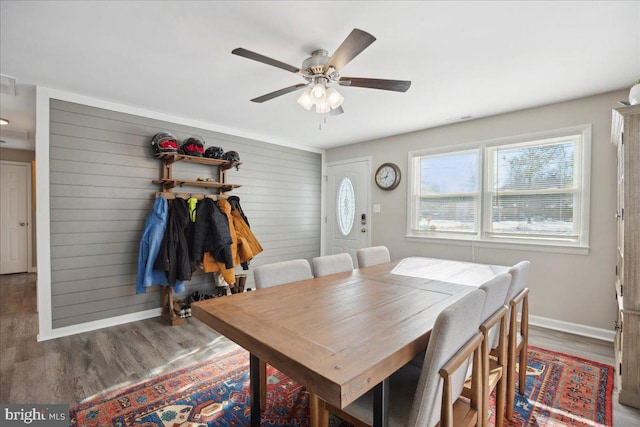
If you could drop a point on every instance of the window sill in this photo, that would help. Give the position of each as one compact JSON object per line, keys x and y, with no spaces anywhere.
{"x":518,"y":246}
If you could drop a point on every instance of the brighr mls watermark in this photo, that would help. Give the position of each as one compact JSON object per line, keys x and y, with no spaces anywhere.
{"x":34,"y":415}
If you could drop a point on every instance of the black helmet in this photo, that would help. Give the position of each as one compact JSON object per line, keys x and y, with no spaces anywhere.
{"x":192,"y":146}
{"x":214,"y":152}
{"x":231,"y":156}
{"x":164,"y":142}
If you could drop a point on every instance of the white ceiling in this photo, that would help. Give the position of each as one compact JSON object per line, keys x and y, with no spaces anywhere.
{"x":464,"y":58}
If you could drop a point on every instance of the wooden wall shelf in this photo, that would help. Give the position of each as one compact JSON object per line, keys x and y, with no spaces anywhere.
{"x":172,"y":183}
{"x":170,"y":158}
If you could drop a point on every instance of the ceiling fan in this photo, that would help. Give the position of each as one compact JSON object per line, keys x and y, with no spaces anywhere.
{"x":321,"y":73}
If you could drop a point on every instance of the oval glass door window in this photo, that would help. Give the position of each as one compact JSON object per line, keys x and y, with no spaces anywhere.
{"x":346,"y":206}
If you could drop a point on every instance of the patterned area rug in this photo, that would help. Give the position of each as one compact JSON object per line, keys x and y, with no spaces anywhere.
{"x":562,"y":390}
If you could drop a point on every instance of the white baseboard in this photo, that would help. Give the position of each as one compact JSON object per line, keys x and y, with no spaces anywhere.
{"x":99,"y":324}
{"x":573,"y":328}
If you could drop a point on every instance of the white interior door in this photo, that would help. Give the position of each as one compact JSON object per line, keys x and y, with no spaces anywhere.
{"x":13,"y":218}
{"x":347,"y":204}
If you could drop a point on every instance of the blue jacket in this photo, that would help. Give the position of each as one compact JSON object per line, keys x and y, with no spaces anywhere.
{"x":152,"y":235}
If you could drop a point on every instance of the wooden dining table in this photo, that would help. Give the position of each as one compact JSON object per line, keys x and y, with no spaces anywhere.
{"x":344,"y":334}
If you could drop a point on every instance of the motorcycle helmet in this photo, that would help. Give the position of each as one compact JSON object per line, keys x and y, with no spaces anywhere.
{"x":231,"y":156}
{"x":192,"y":146}
{"x":164,"y":142}
{"x":214,"y":152}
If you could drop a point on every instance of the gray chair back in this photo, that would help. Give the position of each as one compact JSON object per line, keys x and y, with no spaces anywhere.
{"x":372,"y":256}
{"x":496,"y":290}
{"x":519,"y":274}
{"x":454,"y":326}
{"x":331,"y":264}
{"x":280,"y":273}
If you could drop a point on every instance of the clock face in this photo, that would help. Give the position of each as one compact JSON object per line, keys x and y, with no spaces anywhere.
{"x":388,"y":176}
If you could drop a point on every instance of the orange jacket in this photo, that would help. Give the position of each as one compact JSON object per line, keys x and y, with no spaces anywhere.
{"x":250,"y":246}
{"x":244,"y":245}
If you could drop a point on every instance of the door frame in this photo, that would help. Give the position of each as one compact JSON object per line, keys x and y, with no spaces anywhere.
{"x":325,"y":194}
{"x":30,"y":268}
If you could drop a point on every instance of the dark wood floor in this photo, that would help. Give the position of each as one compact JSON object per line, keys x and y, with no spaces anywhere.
{"x":71,"y":369}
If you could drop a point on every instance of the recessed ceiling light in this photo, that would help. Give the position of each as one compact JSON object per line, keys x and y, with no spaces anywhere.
{"x":3,"y":121}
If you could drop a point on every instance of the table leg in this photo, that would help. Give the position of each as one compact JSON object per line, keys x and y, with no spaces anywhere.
{"x":254,"y":386}
{"x":381,"y":404}
{"x":319,"y":414}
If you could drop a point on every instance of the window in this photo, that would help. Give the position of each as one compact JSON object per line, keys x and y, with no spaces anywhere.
{"x":448,"y":192}
{"x":521,"y":190}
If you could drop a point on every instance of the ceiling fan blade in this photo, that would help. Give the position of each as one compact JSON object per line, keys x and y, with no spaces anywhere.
{"x":351,"y":47}
{"x":264,"y":59}
{"x":394,"y":85}
{"x":336,"y":111}
{"x":280,"y":92}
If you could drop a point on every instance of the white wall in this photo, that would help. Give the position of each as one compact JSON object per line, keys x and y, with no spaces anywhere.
{"x":568,"y":291}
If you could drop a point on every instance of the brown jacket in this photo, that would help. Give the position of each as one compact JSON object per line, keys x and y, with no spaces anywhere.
{"x":244,"y":245}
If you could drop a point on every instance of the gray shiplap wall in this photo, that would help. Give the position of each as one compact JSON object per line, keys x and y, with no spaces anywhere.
{"x":101,"y":168}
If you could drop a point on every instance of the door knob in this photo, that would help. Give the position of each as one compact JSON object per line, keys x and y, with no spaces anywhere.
{"x":363,"y":229}
{"x":22,"y":224}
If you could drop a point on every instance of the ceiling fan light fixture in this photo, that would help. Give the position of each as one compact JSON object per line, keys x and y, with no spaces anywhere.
{"x":334,"y":98}
{"x":319,"y":91}
{"x":323,"y":107}
{"x":305,"y":99}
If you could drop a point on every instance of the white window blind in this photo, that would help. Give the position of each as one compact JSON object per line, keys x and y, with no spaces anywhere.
{"x":534,"y":189}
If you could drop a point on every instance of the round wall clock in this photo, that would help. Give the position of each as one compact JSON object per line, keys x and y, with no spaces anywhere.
{"x":388,"y":176}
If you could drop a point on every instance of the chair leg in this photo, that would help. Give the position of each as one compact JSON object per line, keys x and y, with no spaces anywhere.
{"x":511,"y":382}
{"x":500,"y":395}
{"x":263,"y":385}
{"x":483,"y":415}
{"x":477,"y":385}
{"x":522,"y":373}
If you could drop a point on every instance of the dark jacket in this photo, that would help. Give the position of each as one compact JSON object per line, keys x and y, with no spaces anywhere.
{"x":173,"y":256}
{"x":234,"y":201}
{"x":211,"y":234}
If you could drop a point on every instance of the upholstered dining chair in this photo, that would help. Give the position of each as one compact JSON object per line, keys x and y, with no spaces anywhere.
{"x":432,"y":395}
{"x":279,"y":273}
{"x":494,"y":332}
{"x":372,"y":256}
{"x":331,"y":264}
{"x":518,"y":338}
{"x":268,"y":275}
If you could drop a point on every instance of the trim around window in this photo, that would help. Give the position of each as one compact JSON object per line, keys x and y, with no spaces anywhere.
{"x":548,"y":211}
